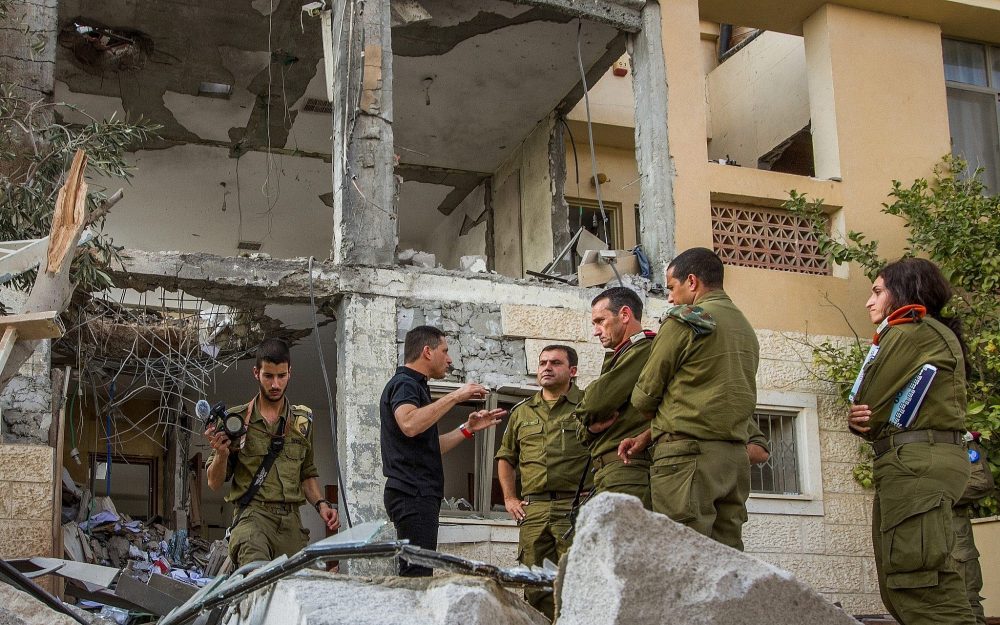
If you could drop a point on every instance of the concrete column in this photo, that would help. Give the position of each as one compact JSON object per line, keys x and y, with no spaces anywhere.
{"x":366,"y":359}
{"x":652,"y":150}
{"x":560,"y":209}
{"x":364,"y":186}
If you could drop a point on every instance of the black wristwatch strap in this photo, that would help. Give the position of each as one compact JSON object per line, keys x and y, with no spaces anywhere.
{"x":321,"y":502}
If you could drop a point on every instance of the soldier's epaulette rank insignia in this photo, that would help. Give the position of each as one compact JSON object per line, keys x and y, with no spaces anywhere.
{"x":695,"y":317}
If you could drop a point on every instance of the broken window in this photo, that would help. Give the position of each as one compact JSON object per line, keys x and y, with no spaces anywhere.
{"x":972,"y":74}
{"x":586,"y":214}
{"x":769,"y":238}
{"x":758,"y":101}
{"x":779,"y":475}
{"x":470,"y":470}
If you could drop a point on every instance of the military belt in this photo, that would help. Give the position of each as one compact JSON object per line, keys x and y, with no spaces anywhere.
{"x":553,"y":495}
{"x":893,"y":441}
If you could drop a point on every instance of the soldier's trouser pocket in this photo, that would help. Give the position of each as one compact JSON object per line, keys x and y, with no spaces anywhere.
{"x":917,"y":543}
{"x":672,"y":479}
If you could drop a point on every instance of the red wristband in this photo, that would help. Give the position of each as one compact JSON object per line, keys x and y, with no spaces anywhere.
{"x":466,"y":432}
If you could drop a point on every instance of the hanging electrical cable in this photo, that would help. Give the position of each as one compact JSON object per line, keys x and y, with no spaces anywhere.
{"x":329,"y":396}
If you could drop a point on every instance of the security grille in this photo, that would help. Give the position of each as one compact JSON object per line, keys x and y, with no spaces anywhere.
{"x":751,"y":236}
{"x":780,"y":474}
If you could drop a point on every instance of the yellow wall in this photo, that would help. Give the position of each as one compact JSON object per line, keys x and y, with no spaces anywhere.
{"x":987,"y":536}
{"x":876,"y":93}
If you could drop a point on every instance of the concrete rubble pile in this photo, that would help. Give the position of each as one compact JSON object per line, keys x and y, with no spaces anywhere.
{"x":324,"y":599}
{"x":631,"y":566}
{"x":20,"y":608}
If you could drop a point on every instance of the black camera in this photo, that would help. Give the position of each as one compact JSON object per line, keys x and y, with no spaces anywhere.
{"x":232,"y":425}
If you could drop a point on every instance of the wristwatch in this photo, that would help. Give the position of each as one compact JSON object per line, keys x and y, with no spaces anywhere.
{"x":321,"y":502}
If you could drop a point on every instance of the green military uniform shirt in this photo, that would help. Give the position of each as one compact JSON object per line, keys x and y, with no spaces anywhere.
{"x":699,"y":382}
{"x":541,"y":442}
{"x":757,"y":437}
{"x":903,"y":350}
{"x":611,"y":392}
{"x":291,"y":467}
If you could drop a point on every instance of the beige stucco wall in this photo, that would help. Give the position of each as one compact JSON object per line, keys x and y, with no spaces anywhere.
{"x":622,"y":186}
{"x":25,"y":501}
{"x":877,"y":103}
{"x":757,"y":98}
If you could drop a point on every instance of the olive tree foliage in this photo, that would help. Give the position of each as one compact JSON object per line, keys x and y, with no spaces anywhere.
{"x":36,"y":151}
{"x":952,"y":221}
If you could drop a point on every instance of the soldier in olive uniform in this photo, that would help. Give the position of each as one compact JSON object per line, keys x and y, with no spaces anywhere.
{"x":699,"y":389}
{"x":269,"y":525}
{"x":965,"y":553}
{"x":606,"y":417}
{"x":920,"y":470}
{"x":540,"y":446}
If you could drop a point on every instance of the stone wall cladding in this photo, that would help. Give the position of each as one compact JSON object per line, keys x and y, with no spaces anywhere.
{"x":833,"y":552}
{"x":25,"y":501}
{"x":26,"y":401}
{"x":484,"y":354}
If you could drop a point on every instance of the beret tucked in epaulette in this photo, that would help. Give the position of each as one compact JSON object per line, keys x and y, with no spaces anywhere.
{"x":695,"y":317}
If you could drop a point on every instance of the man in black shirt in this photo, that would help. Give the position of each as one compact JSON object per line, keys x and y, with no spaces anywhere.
{"x":411,"y":444}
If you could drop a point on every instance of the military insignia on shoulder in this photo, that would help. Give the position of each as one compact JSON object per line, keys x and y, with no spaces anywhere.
{"x":695,"y":317}
{"x":240,"y":410}
{"x":302,"y":421}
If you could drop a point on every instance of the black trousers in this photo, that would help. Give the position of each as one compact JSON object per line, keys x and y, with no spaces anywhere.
{"x":415,"y":518}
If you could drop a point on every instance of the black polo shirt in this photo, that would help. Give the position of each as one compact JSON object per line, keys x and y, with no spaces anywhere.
{"x":411,"y":465}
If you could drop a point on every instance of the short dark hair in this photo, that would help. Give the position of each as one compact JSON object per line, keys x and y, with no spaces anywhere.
{"x":571,"y":355}
{"x":274,"y":351}
{"x":619,"y":296}
{"x":701,"y":262}
{"x":417,"y":339}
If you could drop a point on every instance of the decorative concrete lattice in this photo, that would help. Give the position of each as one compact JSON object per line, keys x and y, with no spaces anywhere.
{"x":751,"y":236}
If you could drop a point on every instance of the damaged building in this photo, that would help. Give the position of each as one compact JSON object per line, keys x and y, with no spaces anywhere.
{"x":340,"y":172}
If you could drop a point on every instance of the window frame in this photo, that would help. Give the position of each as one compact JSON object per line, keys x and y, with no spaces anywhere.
{"x":810,"y":474}
{"x":989,"y":89}
{"x":485,"y":443}
{"x":614,"y":211}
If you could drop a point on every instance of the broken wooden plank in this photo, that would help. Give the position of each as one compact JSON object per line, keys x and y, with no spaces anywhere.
{"x":34,"y":326}
{"x":70,"y":215}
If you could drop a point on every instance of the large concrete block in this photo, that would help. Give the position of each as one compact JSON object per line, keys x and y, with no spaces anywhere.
{"x":25,"y":463}
{"x":20,"y":608}
{"x":629,"y":565}
{"x":540,"y":322}
{"x":25,"y":539}
{"x":323,"y":599}
{"x":31,"y":501}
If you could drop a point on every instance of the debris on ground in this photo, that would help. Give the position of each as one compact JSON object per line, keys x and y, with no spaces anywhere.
{"x":630,"y":565}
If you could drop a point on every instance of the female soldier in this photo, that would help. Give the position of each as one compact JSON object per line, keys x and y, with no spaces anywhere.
{"x":920,"y":468}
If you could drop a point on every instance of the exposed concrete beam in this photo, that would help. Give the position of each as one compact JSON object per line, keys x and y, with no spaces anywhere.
{"x":622,"y":15}
{"x":652,"y":149}
{"x":236,"y":280}
{"x":463,"y":182}
{"x":615,"y":49}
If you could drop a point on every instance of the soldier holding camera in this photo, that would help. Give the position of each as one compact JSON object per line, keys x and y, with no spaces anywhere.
{"x":270,"y":465}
